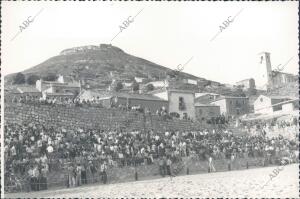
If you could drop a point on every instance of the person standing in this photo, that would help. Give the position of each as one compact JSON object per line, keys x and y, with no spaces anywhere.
{"x":44,"y":172}
{"x":103,"y":169}
{"x":93,"y":172}
{"x":74,"y":174}
{"x":169,"y":163}
{"x":78,"y":175}
{"x":83,"y":175}
{"x":35,"y":174}
{"x":232,"y":160}
{"x":165,"y":165}
{"x":28,"y":181}
{"x":71,"y":176}
{"x":211,"y":164}
{"x":161,"y":167}
{"x":31,"y":178}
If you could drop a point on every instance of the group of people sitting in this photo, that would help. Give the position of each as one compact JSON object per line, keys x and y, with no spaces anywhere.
{"x":272,"y":128}
{"x":32,"y":150}
{"x":221,"y":119}
{"x":270,"y":123}
{"x":66,"y":101}
{"x":94,"y":102}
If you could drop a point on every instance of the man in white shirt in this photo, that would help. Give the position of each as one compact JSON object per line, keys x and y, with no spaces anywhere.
{"x":211,"y":164}
{"x":78,"y":175}
{"x":31,"y":178}
{"x":50,"y":149}
{"x":156,"y":137}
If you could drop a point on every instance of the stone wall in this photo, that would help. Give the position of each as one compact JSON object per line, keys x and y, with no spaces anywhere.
{"x":57,"y":179}
{"x":78,"y":49}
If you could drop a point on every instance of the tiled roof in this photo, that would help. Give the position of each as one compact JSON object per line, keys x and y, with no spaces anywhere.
{"x":161,"y":90}
{"x":137,"y":96}
{"x":105,"y":94}
{"x":59,"y":94}
{"x":180,"y":90}
{"x":27,"y":89}
{"x":199,"y":104}
{"x":202,"y":94}
{"x":65,"y":85}
{"x":278,"y":97}
{"x":229,"y":97}
{"x":52,"y":82}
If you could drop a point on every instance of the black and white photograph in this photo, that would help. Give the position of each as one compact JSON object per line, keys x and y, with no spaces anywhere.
{"x":149,"y":99}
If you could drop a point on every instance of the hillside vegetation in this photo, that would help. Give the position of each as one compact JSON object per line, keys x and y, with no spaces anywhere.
{"x":97,"y":62}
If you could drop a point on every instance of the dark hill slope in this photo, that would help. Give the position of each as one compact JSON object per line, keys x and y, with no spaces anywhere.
{"x":98,"y":62}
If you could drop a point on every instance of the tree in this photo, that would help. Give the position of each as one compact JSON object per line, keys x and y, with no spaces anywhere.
{"x":171,"y":74}
{"x":31,"y":79}
{"x":19,"y":78}
{"x":135,"y":86}
{"x":150,"y":87}
{"x":240,"y":93}
{"x":50,"y":77}
{"x":119,"y":86}
{"x":208,"y":83}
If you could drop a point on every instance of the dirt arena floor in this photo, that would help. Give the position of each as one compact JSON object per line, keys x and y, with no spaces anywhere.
{"x":243,"y":183}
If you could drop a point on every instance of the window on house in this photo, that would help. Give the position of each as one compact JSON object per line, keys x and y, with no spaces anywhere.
{"x":181,"y":105}
{"x":261,"y":59}
{"x":185,"y":116}
{"x":230,"y":102}
{"x":261,"y":99}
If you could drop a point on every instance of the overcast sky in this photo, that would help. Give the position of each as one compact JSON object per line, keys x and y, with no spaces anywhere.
{"x":167,"y":33}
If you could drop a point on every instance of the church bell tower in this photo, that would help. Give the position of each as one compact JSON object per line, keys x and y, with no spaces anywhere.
{"x":265,"y":71}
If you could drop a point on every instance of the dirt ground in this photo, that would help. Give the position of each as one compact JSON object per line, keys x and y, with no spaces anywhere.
{"x":259,"y":182}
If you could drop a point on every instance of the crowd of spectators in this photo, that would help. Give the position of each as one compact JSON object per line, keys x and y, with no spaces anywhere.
{"x":65,"y":101}
{"x":271,"y":123}
{"x":71,"y":101}
{"x":287,"y":128}
{"x":32,"y":151}
{"x":218,"y":120}
{"x":95,"y":102}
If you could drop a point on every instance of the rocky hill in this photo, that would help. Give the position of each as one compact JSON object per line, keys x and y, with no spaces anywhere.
{"x":98,"y":63}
